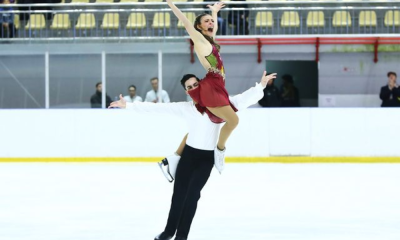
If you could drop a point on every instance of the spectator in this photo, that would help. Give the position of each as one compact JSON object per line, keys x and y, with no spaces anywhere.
{"x":132,"y":97}
{"x":390,"y":94}
{"x":289,"y":93}
{"x":239,"y":19}
{"x":221,"y":21}
{"x":95,"y":100}
{"x":152,"y":95}
{"x":7,"y":28}
{"x":272,"y":96}
{"x":25,"y":16}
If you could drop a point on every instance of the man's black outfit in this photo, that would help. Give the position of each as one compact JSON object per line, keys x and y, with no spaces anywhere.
{"x":390,"y":98}
{"x":192,"y":174}
{"x":95,"y":100}
{"x":271,"y":97}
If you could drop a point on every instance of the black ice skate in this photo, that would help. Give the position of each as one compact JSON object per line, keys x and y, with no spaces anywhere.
{"x":163,"y":236}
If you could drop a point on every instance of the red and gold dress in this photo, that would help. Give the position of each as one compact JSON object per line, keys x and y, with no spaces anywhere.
{"x":211,"y":91}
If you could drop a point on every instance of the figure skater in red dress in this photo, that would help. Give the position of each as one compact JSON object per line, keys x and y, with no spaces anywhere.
{"x":210,"y":96}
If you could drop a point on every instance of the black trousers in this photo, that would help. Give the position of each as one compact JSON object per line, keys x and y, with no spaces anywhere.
{"x":192,"y":174}
{"x":7,"y":33}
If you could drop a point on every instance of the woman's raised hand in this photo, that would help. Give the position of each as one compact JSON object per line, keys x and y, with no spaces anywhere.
{"x":216,"y":7}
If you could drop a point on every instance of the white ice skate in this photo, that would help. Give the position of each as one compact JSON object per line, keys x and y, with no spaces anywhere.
{"x":219,"y":159}
{"x":168,"y":166}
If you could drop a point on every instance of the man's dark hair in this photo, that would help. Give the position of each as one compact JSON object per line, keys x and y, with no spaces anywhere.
{"x":187,"y":77}
{"x":288,"y":78}
{"x":391,"y":73}
{"x":154,"y":78}
{"x":132,"y":86}
{"x":97,"y":84}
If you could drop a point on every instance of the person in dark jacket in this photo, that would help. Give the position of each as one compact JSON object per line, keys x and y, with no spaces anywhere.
{"x":239,"y":19}
{"x":289,"y":93}
{"x":7,"y":28}
{"x":25,"y":16}
{"x":271,"y":97}
{"x":95,"y":100}
{"x":390,"y":94}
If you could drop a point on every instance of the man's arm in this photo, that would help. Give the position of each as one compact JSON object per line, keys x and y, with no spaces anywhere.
{"x":385,"y":93}
{"x":179,"y":108}
{"x":147,"y":98}
{"x":94,"y":102}
{"x":166,"y":97}
{"x":252,"y":95}
{"x":396,"y":92}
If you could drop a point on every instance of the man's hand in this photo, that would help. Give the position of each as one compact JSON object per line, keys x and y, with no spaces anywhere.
{"x":391,"y":85}
{"x":118,"y":104}
{"x":265,"y":79}
{"x":216,"y":7}
{"x":5,"y":24}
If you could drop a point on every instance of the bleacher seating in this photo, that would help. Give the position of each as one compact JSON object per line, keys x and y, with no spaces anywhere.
{"x":315,"y":19}
{"x":86,"y":21}
{"x":110,"y":21}
{"x":392,"y":18}
{"x":136,"y":21}
{"x":290,"y":19}
{"x":367,"y":19}
{"x":161,"y":20}
{"x":273,"y":21}
{"x":61,"y":21}
{"x":36,"y":22}
{"x":264,"y":19}
{"x":341,"y":19}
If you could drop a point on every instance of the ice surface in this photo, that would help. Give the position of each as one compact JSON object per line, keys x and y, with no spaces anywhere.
{"x":130,"y":201}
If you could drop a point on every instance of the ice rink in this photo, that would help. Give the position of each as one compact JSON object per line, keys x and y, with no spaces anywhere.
{"x":130,"y":201}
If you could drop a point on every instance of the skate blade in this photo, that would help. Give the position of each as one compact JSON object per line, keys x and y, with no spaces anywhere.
{"x":167,"y":175}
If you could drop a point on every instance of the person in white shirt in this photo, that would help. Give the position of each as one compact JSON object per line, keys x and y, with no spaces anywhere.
{"x":152,"y":95}
{"x":197,"y":159}
{"x":132,"y":97}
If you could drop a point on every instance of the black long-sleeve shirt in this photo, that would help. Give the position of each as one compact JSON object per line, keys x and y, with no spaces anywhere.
{"x":390,"y":98}
{"x":95,"y":100}
{"x":271,"y":97}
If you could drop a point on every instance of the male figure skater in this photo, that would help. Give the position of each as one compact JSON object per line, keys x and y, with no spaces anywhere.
{"x":197,"y":159}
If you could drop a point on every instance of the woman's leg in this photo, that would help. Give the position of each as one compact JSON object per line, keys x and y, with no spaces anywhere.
{"x":181,"y":146}
{"x":232,"y":120}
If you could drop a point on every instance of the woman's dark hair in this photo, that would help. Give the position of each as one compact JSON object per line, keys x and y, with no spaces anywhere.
{"x":210,"y":39}
{"x":391,"y":73}
{"x":187,"y":77}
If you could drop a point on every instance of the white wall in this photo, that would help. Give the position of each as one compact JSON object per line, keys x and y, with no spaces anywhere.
{"x":261,"y":132}
{"x":349,"y":100}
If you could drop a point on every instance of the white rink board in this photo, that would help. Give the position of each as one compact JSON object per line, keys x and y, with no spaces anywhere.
{"x":262,"y":132}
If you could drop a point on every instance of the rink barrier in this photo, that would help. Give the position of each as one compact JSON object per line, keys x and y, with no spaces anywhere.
{"x":285,"y":160}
